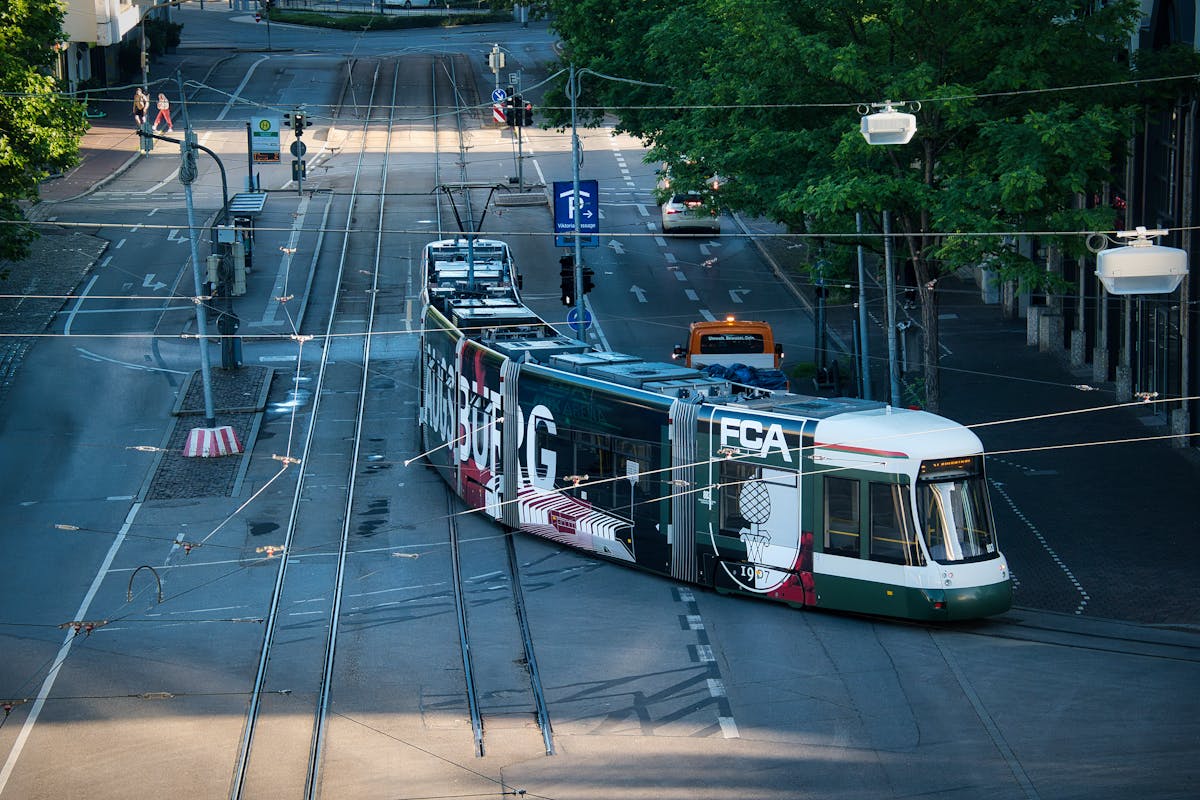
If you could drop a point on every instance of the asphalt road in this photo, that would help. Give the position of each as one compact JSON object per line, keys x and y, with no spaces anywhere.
{"x":656,"y":690}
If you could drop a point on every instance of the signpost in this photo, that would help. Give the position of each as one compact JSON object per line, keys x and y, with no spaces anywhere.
{"x":264,"y":140}
{"x":564,"y":213}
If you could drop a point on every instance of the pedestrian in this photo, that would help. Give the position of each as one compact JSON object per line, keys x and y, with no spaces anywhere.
{"x":164,"y":112}
{"x":141,"y":102}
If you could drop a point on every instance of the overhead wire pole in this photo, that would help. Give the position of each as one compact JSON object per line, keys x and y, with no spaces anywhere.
{"x":573,"y":80}
{"x":890,"y":281}
{"x":576,"y":204}
{"x":187,"y":174}
{"x":864,"y":347}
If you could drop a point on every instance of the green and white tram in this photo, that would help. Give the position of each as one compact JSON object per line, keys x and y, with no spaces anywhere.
{"x":833,"y":503}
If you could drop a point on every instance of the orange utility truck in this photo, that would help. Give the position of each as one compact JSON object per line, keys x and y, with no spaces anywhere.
{"x":730,"y":341}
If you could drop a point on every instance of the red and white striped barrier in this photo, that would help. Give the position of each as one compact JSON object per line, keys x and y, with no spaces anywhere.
{"x":498,"y":113}
{"x":210,"y":442}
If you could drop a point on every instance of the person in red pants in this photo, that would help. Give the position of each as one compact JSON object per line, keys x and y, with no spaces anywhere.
{"x":164,"y":112}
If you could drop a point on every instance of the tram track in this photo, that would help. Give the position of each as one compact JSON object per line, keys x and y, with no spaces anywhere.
{"x":1165,"y":645}
{"x":501,"y":680}
{"x":286,"y":733}
{"x":294,"y":678}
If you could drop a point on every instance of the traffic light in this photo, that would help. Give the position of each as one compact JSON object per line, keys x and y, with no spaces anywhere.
{"x":287,"y":119}
{"x":588,"y":283}
{"x":298,"y":123}
{"x":528,"y":115}
{"x":510,"y":111}
{"x":567,"y":272}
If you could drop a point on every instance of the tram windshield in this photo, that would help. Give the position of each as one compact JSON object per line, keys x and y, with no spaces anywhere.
{"x":956,"y":519}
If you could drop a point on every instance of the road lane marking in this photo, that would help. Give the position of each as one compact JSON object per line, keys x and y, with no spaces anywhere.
{"x":78,"y":303}
{"x":65,"y":650}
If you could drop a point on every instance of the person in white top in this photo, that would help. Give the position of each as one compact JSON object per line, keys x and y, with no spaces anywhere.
{"x":164,"y":112}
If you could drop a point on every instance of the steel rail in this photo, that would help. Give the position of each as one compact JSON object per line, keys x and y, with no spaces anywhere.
{"x":322,"y":710}
{"x":535,"y":678}
{"x":460,"y":604}
{"x":244,"y":749}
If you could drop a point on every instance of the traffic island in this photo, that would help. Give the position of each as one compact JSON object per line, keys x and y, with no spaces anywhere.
{"x":239,"y":399}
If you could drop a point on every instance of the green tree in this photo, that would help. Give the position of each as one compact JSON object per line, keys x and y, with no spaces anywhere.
{"x":40,"y":129}
{"x":765,"y":93}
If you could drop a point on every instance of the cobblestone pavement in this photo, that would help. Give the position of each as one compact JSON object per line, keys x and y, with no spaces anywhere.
{"x":34,"y":290}
{"x":239,"y":397}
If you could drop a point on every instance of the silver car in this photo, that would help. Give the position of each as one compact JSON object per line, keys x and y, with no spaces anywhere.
{"x":685,"y":211}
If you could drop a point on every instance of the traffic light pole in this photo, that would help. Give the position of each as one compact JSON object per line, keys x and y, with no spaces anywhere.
{"x":187,"y":174}
{"x":576,"y":205}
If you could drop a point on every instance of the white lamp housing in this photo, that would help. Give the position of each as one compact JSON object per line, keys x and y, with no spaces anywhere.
{"x":889,"y":126}
{"x":1141,"y":267}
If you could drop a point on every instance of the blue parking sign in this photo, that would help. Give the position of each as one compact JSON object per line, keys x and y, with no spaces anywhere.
{"x":588,"y":207}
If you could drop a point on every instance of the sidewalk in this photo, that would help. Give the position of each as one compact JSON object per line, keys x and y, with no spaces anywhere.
{"x":108,"y":148}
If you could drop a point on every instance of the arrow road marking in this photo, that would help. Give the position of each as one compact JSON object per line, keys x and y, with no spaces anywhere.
{"x":174,"y":236}
{"x":736,"y":294}
{"x":155,"y":286}
{"x":639,"y":292}
{"x":616,"y":247}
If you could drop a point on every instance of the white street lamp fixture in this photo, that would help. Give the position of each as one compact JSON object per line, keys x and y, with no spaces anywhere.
{"x":888,"y":126}
{"x":1141,"y":267}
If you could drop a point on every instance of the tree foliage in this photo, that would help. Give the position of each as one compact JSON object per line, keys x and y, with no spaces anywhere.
{"x":767,"y":93}
{"x":39,"y":128}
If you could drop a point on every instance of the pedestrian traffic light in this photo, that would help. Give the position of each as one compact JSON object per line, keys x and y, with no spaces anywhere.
{"x":287,"y":119}
{"x":567,"y":273}
{"x":510,"y":111}
{"x":298,"y":123}
{"x":588,"y":283}
{"x":528,"y":116}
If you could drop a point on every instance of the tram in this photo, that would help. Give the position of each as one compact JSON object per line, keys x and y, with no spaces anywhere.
{"x":835,"y":503}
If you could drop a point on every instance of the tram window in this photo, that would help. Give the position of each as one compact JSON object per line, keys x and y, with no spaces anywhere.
{"x":956,"y":520}
{"x":842,"y":517}
{"x":733,"y":475}
{"x":892,"y":538}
